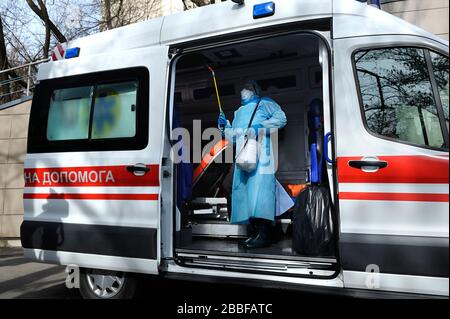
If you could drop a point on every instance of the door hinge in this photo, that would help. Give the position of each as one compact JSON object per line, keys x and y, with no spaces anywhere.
{"x":173,"y":52}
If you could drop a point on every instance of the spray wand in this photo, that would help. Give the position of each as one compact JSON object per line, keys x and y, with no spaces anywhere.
{"x":215,"y":86}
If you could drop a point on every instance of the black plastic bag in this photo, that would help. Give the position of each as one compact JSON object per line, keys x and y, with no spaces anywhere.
{"x":312,"y":229}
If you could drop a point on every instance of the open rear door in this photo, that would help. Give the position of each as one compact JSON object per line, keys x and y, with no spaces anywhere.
{"x":92,"y":192}
{"x":327,"y":112}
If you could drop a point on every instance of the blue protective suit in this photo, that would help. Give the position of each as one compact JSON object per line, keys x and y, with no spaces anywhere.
{"x":254,"y":194}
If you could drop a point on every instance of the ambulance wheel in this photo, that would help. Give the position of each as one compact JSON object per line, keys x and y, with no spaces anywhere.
{"x":104,"y":284}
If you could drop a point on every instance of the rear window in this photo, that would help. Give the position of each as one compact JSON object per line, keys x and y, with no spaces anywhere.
{"x":115,"y":110}
{"x":68,"y":116}
{"x":102,"y":111}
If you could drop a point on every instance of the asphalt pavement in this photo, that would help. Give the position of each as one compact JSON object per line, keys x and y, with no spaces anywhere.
{"x":23,"y":279}
{"x":20,"y":278}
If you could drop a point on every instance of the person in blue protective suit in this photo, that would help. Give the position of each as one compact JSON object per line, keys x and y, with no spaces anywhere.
{"x":254,"y":193}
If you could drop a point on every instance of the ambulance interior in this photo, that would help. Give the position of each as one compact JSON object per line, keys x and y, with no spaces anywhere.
{"x":288,"y":70}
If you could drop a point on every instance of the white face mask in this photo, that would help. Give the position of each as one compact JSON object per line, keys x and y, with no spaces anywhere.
{"x":246,"y":94}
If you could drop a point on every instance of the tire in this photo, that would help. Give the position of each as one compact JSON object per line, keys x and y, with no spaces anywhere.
{"x":105,"y":284}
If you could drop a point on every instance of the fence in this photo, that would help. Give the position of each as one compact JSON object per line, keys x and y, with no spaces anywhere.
{"x":20,"y":81}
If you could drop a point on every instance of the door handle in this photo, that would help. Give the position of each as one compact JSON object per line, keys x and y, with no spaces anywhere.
{"x":328,"y":137}
{"x":361,"y":164}
{"x":138,"y":169}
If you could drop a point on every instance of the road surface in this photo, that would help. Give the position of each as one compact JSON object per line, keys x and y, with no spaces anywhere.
{"x":20,"y":278}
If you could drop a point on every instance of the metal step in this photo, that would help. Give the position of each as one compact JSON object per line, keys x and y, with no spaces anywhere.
{"x":304,"y":268}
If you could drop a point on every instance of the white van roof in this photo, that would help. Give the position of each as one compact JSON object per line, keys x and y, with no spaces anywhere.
{"x":350,"y":18}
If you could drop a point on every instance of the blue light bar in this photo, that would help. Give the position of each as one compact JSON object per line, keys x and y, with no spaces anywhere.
{"x":263,"y":10}
{"x":375,"y":3}
{"x":72,"y":53}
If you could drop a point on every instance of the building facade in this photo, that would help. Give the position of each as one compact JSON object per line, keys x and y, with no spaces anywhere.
{"x":430,"y":15}
{"x":13,"y":144}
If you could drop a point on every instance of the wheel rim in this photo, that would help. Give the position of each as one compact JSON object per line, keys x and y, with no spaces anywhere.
{"x":105,"y":285}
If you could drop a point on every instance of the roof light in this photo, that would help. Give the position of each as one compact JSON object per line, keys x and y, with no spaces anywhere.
{"x":72,"y":53}
{"x":263,"y":10}
{"x":375,"y":3}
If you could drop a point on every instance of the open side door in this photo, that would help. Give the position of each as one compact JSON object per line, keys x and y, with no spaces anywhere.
{"x":392,"y":152}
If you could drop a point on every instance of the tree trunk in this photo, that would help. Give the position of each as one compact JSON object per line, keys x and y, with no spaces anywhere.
{"x":47,"y":28}
{"x":108,"y":19}
{"x":200,"y":3}
{"x":4,"y":88}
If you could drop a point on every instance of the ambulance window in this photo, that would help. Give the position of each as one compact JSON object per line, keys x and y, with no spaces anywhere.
{"x":397,"y":95}
{"x":101,"y":111}
{"x":115,"y":110}
{"x":68,"y":116}
{"x":440,"y":68}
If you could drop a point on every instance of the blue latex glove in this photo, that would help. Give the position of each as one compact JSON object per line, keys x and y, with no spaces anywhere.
{"x":222,"y":121}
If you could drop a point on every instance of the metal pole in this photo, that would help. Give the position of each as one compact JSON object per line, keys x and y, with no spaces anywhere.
{"x":28,"y":80}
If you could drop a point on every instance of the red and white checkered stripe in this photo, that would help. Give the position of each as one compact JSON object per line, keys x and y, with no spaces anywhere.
{"x":59,"y":51}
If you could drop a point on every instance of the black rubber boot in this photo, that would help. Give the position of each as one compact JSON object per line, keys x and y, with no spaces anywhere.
{"x":252,"y":237}
{"x":248,"y":241}
{"x":277,"y":233}
{"x":263,"y":238}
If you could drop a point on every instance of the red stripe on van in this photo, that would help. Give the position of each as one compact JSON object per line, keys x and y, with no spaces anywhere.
{"x":91,"y":196}
{"x":412,"y":197}
{"x":400,"y":169}
{"x":105,"y":176}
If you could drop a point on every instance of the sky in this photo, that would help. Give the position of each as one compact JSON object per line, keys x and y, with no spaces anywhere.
{"x":22,"y":25}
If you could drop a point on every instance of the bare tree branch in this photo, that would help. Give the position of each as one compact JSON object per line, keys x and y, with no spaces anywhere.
{"x":4,"y":88}
{"x":39,"y":12}
{"x":44,"y":12}
{"x":107,"y":13}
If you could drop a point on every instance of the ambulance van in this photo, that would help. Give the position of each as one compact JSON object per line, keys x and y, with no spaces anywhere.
{"x":104,"y":193}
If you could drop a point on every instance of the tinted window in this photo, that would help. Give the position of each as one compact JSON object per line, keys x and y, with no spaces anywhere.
{"x":440,"y":68}
{"x":115,"y":110}
{"x":397,"y":95}
{"x":101,"y":111}
{"x":68,"y":116}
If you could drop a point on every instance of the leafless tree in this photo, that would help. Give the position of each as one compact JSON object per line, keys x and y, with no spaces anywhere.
{"x":118,"y":13}
{"x":30,"y":29}
{"x":4,"y":86}
{"x":41,"y":11}
{"x":200,"y":3}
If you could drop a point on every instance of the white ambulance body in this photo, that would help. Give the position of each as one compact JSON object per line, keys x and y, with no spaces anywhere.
{"x":102,"y":195}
